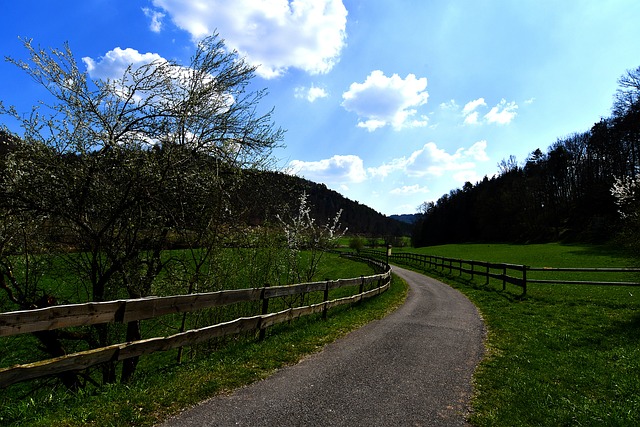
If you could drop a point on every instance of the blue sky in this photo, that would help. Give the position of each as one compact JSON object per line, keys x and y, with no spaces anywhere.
{"x":389,"y":102}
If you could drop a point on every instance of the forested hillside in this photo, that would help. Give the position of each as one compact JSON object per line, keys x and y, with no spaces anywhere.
{"x":565,"y":193}
{"x":275,"y":193}
{"x":260,"y":196}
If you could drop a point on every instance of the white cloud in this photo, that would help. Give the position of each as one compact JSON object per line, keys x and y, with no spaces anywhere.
{"x":469,"y":111}
{"x":477,"y":151}
{"x":275,"y":34}
{"x":337,"y":169}
{"x":407,"y":190}
{"x":434,"y":161}
{"x":503,"y":113}
{"x":472,"y":105}
{"x":115,"y":62}
{"x":382,"y":101}
{"x":156,"y":19}
{"x":471,"y":119}
{"x":449,"y":105}
{"x":310,"y":94}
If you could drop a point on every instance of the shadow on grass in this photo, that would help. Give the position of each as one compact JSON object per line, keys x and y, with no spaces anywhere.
{"x":628,"y":328}
{"x":609,"y":250}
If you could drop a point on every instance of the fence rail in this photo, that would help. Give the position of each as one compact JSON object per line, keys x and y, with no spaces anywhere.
{"x":501,"y":271}
{"x":123,"y":311}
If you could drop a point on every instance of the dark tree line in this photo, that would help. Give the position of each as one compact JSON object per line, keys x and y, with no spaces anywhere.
{"x":563,"y":194}
{"x":272,"y":193}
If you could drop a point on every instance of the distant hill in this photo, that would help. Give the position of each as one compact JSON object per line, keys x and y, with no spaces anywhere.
{"x":274,"y":193}
{"x":406,"y":218}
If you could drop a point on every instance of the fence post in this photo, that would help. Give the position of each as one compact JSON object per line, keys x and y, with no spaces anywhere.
{"x":504,"y":277}
{"x":524,"y":280}
{"x":361,"y":284}
{"x":325,"y":298}
{"x":265,"y":310}
{"x":460,"y":268}
{"x":487,"y":282}
{"x":472,"y":264}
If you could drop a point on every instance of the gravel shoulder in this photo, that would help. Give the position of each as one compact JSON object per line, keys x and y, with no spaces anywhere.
{"x":412,"y":368}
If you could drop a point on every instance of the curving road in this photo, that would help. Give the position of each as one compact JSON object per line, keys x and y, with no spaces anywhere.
{"x":412,"y":368}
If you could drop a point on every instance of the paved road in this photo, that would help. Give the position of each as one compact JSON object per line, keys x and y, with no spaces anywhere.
{"x":412,"y":368}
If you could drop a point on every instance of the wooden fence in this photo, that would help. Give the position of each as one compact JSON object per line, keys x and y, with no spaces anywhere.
{"x":515,"y":274}
{"x":123,"y":311}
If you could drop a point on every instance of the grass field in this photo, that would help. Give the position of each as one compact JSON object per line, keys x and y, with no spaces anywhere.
{"x":566,"y":355}
{"x":161,"y":387}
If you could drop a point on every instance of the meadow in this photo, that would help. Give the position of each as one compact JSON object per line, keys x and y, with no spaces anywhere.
{"x":563,"y":355}
{"x":161,"y":387}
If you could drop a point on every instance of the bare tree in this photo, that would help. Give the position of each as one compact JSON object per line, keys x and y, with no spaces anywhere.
{"x":114,"y":171}
{"x":627,"y":97}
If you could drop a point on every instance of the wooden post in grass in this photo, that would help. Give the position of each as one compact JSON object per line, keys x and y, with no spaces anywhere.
{"x":325,"y":298}
{"x":487,"y":282}
{"x":265,"y":310}
{"x":524,"y":280}
{"x":504,"y":277}
{"x":472,"y":264}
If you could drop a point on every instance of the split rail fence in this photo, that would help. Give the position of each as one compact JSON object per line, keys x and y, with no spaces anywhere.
{"x":123,"y":311}
{"x":515,"y":274}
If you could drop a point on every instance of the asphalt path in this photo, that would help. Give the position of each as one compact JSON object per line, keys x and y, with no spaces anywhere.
{"x":412,"y":368}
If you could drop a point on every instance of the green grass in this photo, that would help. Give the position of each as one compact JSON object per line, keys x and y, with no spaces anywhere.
{"x":566,"y":354}
{"x":161,"y":390}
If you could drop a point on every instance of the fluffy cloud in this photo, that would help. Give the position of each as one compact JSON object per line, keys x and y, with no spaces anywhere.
{"x":156,"y":19}
{"x":471,"y":118}
{"x":449,"y":105}
{"x":469,"y":111}
{"x":383,"y":100}
{"x":434,"y":161}
{"x":310,"y":94}
{"x":337,"y":169}
{"x":472,"y":105}
{"x":114,"y":63}
{"x":275,"y":34}
{"x":502,"y":113}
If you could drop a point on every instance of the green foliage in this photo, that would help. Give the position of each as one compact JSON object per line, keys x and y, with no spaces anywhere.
{"x":356,"y":243}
